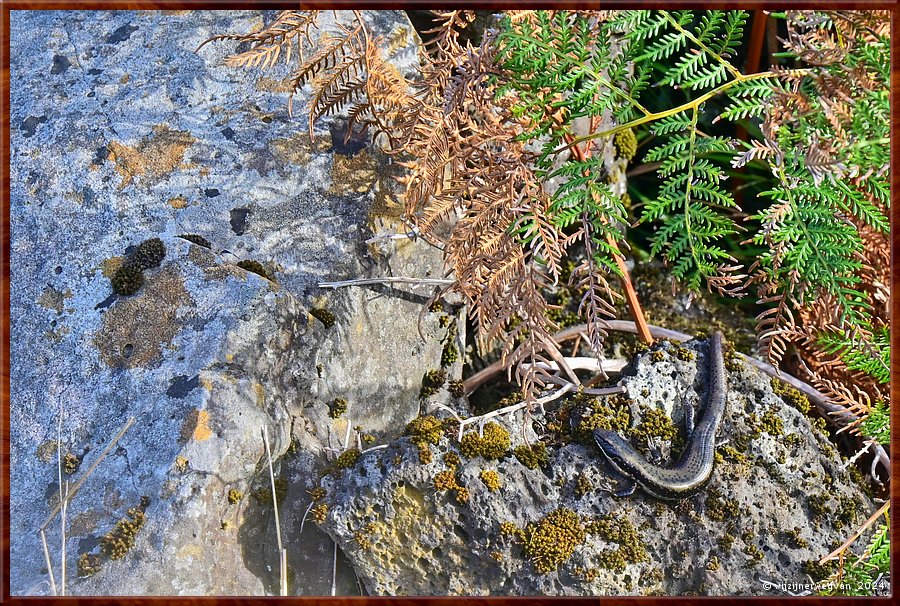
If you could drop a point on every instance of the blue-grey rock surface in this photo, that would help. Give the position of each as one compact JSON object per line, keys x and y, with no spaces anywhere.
{"x":121,"y":132}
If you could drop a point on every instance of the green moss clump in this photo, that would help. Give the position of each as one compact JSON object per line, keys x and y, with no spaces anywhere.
{"x":337,"y":407}
{"x":582,"y":485}
{"x":149,"y":253}
{"x":457,"y":389}
{"x":425,"y":429}
{"x":756,"y":555}
{"x":323,"y":315}
{"x":319,"y":512}
{"x":451,"y":459}
{"x":771,"y":423}
{"x":509,"y":528}
{"x":713,"y":564}
{"x":654,"y":423}
{"x":88,"y":564}
{"x":819,"y":571}
{"x":128,"y":279}
{"x":491,"y":479}
{"x":614,"y":416}
{"x":619,"y":529}
{"x":848,"y":508}
{"x":449,"y":353}
{"x":626,"y":143}
{"x":446,"y":480}
{"x":795,"y":539}
{"x":552,"y":540}
{"x":70,"y":463}
{"x":196,"y":239}
{"x":792,"y":439}
{"x":532,"y":457}
{"x":730,"y":453}
{"x":725,"y":542}
{"x":264,"y":495}
{"x":255,"y":267}
{"x":657,"y":355}
{"x":348,"y":458}
{"x":432,"y":382}
{"x":720,"y":507}
{"x":685,"y":354}
{"x":234,"y":496}
{"x":317,"y":493}
{"x":116,"y":543}
{"x":791,"y":395}
{"x":493,"y":444}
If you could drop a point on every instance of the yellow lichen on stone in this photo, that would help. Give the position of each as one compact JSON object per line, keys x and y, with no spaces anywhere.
{"x":296,"y":149}
{"x":153,"y":157}
{"x":179,"y":202}
{"x":47,"y":451}
{"x":356,"y":173}
{"x":135,"y":329}
{"x":110,"y":266}
{"x":196,"y":426}
{"x":260,"y":393}
{"x":53,"y":299}
{"x":552,"y":540}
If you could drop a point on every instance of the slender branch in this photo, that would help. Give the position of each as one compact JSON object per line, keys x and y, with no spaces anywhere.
{"x":393,"y":280}
{"x":837,"y":552}
{"x":281,"y":553}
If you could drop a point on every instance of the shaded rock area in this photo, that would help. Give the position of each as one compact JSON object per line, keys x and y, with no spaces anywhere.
{"x":121,"y":132}
{"x":524,"y":522}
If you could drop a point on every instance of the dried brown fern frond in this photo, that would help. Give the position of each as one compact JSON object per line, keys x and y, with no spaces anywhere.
{"x":290,"y":29}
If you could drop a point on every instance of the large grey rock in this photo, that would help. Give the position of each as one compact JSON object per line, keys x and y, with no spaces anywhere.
{"x":120,"y":133}
{"x":780,"y":496}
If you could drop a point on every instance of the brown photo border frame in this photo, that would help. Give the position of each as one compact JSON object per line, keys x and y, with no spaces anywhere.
{"x":751,"y":5}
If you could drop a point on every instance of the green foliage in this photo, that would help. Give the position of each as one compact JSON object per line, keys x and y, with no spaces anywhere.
{"x":861,"y":576}
{"x":878,"y":423}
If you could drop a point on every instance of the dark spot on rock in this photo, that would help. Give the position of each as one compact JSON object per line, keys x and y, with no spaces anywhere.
{"x":121,"y":34}
{"x":127,"y":350}
{"x":266,"y":119}
{"x":58,"y":269}
{"x":91,"y":94}
{"x":129,"y":250}
{"x":181,"y":386}
{"x":107,"y":301}
{"x":344,"y":145}
{"x":51,"y":491}
{"x":87,"y":544}
{"x":211,"y":193}
{"x":30,"y":124}
{"x":89,"y":196}
{"x":94,"y":71}
{"x":239,"y":220}
{"x":228,"y":133}
{"x":101,"y":155}
{"x":60,"y":64}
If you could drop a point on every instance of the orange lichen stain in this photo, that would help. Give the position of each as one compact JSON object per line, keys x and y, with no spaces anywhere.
{"x":53,"y":299}
{"x":297,"y":149}
{"x":153,"y":157}
{"x":274,"y":85}
{"x":196,"y":426}
{"x":260,"y":392}
{"x":178,"y":202}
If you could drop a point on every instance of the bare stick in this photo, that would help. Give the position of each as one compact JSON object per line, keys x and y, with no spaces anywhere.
{"x":47,"y":561}
{"x":64,"y":496}
{"x":334,"y":573}
{"x":283,"y":564}
{"x":513,"y":408}
{"x":396,"y":280}
{"x":87,"y":473}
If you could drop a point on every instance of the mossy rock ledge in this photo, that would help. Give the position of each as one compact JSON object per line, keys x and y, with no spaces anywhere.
{"x":773,"y":504}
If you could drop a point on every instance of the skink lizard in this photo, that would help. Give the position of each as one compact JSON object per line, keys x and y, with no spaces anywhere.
{"x":695,"y":466}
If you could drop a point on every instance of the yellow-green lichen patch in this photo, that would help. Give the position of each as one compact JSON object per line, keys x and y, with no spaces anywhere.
{"x":263,"y":495}
{"x":116,"y":543}
{"x":791,"y":395}
{"x":729,"y":453}
{"x":425,"y":430}
{"x":337,"y":407}
{"x":348,"y":458}
{"x":317,"y":493}
{"x":726,"y":541}
{"x":713,"y":564}
{"x":47,"y":451}
{"x":450,"y":352}
{"x":88,"y":564}
{"x":323,"y":315}
{"x":684,"y":354}
{"x":819,"y":571}
{"x":620,"y":530}
{"x":755,"y":553}
{"x":235,"y":496}
{"x":491,"y":480}
{"x":657,"y":355}
{"x":493,"y":444}
{"x":432,"y":381}
{"x":719,"y":507}
{"x":363,"y":536}
{"x":135,"y":330}
{"x":551,"y":541}
{"x":532,"y":457}
{"x":451,"y":459}
{"x":255,"y":267}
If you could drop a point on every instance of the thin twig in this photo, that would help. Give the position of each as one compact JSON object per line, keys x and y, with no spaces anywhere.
{"x":394,"y":280}
{"x":334,"y":572}
{"x":47,"y":561}
{"x":282,"y":564}
{"x":87,"y":474}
